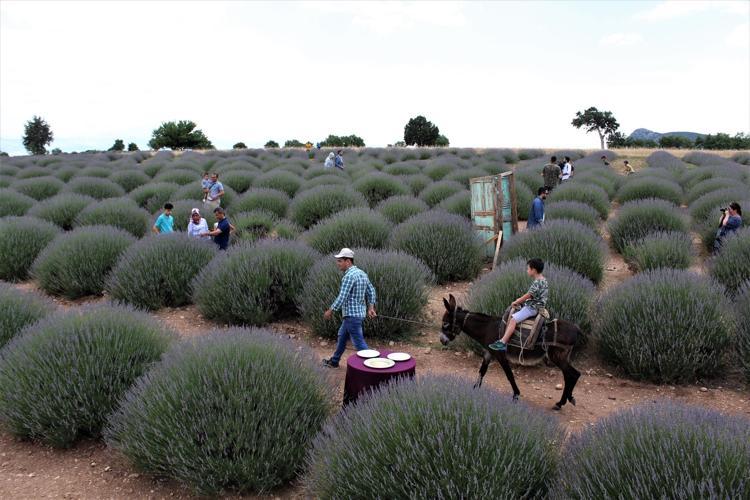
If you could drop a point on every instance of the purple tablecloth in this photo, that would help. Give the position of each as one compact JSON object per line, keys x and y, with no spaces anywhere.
{"x":360,"y":378}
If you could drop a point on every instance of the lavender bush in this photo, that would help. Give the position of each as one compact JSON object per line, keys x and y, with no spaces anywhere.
{"x":321,"y":202}
{"x":665,"y":325}
{"x":589,"y":194}
{"x":62,"y":209}
{"x":650,"y":187}
{"x":438,"y":191}
{"x":355,"y":227}
{"x":377,"y":187}
{"x":154,"y":195}
{"x":19,"y":309}
{"x":401,"y":283}
{"x":156,"y":271}
{"x":399,"y":208}
{"x":708,"y":186}
{"x":731,"y":267}
{"x":95,"y":187}
{"x":564,"y":242}
{"x":39,"y":188}
{"x":76,"y":263}
{"x":178,"y":176}
{"x":662,"y":450}
{"x":14,"y":203}
{"x":637,"y":219}
{"x":117,"y":212}
{"x":458,"y":204}
{"x":271,"y":200}
{"x":281,"y":180}
{"x":707,"y":206}
{"x":572,"y":210}
{"x":661,"y":249}
{"x":61,"y":378}
{"x":130,"y":178}
{"x":445,"y":242}
{"x":435,"y":438}
{"x":254,"y":284}
{"x":741,"y":306}
{"x":249,"y":405}
{"x":21,"y":240}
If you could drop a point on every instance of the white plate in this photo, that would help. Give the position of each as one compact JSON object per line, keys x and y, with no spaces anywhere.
{"x":399,"y":356}
{"x":368,"y":353}
{"x":381,"y":363}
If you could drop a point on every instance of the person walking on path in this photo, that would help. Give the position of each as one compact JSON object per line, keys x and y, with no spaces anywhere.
{"x":197,"y":226}
{"x":339,"y":161}
{"x":536,"y":214}
{"x":222,"y":229}
{"x":215,"y":192}
{"x":165,"y":222}
{"x":356,"y":300}
{"x":551,"y":173}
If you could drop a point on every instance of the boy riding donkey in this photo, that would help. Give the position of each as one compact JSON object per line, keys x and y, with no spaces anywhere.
{"x":533,"y":302}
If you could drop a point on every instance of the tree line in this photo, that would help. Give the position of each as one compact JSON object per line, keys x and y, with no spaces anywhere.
{"x":185,"y":134}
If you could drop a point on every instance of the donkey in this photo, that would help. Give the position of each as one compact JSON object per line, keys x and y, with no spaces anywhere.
{"x":485,"y":330}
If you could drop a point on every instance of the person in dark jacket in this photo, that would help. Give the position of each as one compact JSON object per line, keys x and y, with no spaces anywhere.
{"x":536,"y":214}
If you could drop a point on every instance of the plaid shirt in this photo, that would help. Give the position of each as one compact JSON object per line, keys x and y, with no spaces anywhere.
{"x":356,"y":293}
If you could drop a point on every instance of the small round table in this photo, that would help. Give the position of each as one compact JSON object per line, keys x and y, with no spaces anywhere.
{"x":360,"y":378}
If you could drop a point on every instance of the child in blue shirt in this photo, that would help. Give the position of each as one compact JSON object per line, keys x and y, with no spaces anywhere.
{"x":165,"y":222}
{"x":205,"y":185}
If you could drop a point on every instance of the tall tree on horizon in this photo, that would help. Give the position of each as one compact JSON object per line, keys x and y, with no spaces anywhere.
{"x":179,"y":135}
{"x":601,"y":122}
{"x":421,"y":132}
{"x":37,"y":135}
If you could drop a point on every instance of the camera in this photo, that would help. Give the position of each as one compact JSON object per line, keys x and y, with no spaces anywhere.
{"x":723,"y":210}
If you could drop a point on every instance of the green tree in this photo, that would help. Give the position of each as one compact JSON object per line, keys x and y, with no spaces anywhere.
{"x":179,"y":135}
{"x":239,"y":145}
{"x":674,"y":141}
{"x":37,"y":135}
{"x":421,"y":132}
{"x":442,"y":141}
{"x":271,"y":144}
{"x":344,"y":141}
{"x":132,"y":147}
{"x":57,"y":151}
{"x":119,"y":145}
{"x":293,"y":143}
{"x":601,"y":122}
{"x":618,"y":140}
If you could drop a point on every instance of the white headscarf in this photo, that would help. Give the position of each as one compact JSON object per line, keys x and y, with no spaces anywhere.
{"x":331,"y":155}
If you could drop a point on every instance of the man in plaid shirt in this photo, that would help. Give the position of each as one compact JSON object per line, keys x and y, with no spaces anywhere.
{"x":356,"y":299}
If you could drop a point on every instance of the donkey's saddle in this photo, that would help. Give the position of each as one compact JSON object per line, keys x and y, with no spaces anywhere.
{"x":531,"y":332}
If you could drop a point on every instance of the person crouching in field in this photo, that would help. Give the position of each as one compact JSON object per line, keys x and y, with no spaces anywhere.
{"x":215,"y":192}
{"x":536,"y":214}
{"x":533,"y":301}
{"x":628,"y":168}
{"x":165,"y":222}
{"x":197,"y":227}
{"x":731,"y":221}
{"x":551,"y":173}
{"x":355,"y":300}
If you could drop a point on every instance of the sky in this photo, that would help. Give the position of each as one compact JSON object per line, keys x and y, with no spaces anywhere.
{"x":488,"y":74}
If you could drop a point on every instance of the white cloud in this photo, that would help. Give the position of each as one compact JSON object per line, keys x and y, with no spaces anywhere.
{"x":671,"y":9}
{"x":388,"y":17}
{"x":621,"y":40}
{"x":739,"y":37}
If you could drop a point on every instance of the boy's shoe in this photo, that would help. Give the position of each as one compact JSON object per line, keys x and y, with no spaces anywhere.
{"x":330,"y":364}
{"x":498,"y":345}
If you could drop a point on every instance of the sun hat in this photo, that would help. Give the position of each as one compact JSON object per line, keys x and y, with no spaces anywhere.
{"x":195,"y":211}
{"x":345,"y":253}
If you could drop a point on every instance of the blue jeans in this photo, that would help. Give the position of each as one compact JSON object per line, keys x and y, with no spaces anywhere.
{"x":350,"y":327}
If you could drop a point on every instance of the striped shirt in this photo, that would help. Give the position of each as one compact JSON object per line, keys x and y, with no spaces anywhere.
{"x":356,"y":294}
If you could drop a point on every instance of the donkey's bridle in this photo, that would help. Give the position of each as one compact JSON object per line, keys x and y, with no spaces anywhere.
{"x":455,"y":332}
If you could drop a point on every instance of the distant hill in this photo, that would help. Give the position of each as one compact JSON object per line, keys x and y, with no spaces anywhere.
{"x":645,"y":134}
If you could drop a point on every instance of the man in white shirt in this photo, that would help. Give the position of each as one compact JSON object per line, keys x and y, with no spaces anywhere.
{"x":567,"y":169}
{"x":197,"y":225}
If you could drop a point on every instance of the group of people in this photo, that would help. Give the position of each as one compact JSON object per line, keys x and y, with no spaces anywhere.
{"x":556,"y":172}
{"x":335,"y":160}
{"x":197,"y":227}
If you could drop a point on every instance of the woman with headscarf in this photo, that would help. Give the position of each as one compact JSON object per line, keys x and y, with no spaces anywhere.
{"x":330,"y":161}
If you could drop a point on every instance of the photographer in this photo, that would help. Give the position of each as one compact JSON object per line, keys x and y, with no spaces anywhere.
{"x":731,"y":221}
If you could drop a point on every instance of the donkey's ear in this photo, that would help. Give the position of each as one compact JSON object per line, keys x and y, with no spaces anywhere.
{"x":447,"y":305}
{"x":453,"y":301}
